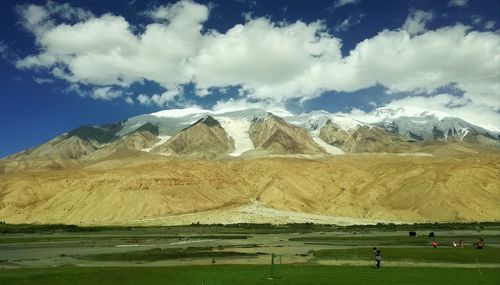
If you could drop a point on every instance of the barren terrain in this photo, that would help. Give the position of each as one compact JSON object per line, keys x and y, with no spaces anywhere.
{"x":363,"y":188}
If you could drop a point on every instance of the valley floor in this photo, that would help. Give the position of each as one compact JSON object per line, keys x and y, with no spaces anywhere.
{"x":242,"y":254}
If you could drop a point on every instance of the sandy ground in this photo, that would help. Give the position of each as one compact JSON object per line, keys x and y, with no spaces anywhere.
{"x":344,"y":189}
{"x":254,"y":212}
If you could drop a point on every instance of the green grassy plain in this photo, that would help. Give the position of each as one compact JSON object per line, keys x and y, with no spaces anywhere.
{"x":416,"y":254}
{"x":312,"y":254}
{"x":249,"y":275}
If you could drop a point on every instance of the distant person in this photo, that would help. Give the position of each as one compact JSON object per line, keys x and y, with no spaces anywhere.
{"x":378,"y":258}
{"x":461,"y":243}
{"x":435,"y":244}
{"x":480,"y":243}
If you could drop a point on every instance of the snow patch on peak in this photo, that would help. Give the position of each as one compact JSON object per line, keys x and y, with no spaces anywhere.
{"x":315,"y":120}
{"x":237,"y":129}
{"x":328,"y":148}
{"x":177,"y":113}
{"x":163,"y":139}
{"x":389,"y":112}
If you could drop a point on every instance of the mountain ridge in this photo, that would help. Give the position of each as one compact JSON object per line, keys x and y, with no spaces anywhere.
{"x":385,"y":125}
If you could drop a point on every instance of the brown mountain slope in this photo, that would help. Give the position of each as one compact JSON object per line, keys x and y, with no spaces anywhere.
{"x":277,"y":136}
{"x":204,"y":139}
{"x":123,"y":146}
{"x":379,"y":187}
{"x":364,"y":139}
{"x":61,"y":147}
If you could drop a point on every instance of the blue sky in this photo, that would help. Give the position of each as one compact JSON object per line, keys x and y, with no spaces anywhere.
{"x":66,"y":64}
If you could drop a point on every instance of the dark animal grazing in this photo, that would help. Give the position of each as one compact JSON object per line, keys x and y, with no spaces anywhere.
{"x":412,"y":234}
{"x":431,"y":234}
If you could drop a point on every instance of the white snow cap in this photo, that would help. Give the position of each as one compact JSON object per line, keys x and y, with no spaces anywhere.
{"x":177,"y":113}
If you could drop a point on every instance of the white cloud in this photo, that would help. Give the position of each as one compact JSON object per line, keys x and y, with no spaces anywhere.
{"x":489,"y":25}
{"x":476,"y":19}
{"x":104,"y":51}
{"x":458,"y":3}
{"x":105,"y":93}
{"x":4,"y":51}
{"x":347,"y":23}
{"x":161,"y":99}
{"x":340,"y":3}
{"x":129,"y":100}
{"x":7,"y":54}
{"x":243,"y":103}
{"x":416,"y":21}
{"x":270,"y":62}
{"x":41,"y":80}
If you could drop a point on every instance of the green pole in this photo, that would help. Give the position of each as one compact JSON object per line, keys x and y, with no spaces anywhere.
{"x":272,"y":266}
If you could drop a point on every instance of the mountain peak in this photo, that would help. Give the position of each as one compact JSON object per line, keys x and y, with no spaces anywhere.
{"x":209,"y":121}
{"x":404,"y":111}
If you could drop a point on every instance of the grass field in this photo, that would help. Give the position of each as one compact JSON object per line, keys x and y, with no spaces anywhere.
{"x":250,"y":275}
{"x":416,"y":254}
{"x":391,"y":240}
{"x":306,"y":254}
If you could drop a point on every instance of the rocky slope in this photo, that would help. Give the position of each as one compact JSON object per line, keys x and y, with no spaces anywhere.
{"x":61,"y":147}
{"x":204,"y":139}
{"x":276,"y":136}
{"x":364,"y":139}
{"x":370,"y":186}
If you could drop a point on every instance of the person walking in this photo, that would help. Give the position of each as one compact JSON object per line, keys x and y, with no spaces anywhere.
{"x":378,"y":257}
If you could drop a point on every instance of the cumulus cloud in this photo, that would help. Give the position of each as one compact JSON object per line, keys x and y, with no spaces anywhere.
{"x":105,"y":93}
{"x":269,"y":62}
{"x":416,"y":21}
{"x":160,"y":99}
{"x":243,"y":103}
{"x":458,"y":3}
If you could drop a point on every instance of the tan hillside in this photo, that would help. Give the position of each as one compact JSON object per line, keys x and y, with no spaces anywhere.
{"x":204,"y":139}
{"x":135,"y":141}
{"x":61,"y":147}
{"x":368,"y":186}
{"x":364,"y":139}
{"x":277,"y":136}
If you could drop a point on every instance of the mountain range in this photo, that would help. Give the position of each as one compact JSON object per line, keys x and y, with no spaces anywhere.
{"x":204,"y":134}
{"x":191,"y":165}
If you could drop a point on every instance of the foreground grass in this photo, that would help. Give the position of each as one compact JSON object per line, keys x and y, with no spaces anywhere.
{"x":249,"y":275}
{"x":455,"y":255}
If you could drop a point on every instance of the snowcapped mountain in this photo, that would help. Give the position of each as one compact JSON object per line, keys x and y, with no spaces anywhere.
{"x":178,"y":132}
{"x":421,"y":124}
